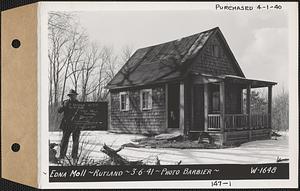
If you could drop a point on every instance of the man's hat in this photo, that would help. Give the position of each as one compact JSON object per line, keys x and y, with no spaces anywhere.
{"x":72,"y":92}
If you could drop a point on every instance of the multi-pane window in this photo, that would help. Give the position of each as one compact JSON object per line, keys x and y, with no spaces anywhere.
{"x":146,"y":99}
{"x":124,"y":101}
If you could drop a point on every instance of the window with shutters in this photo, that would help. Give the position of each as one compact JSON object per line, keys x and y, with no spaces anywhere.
{"x":146,"y":99}
{"x":124,"y":101}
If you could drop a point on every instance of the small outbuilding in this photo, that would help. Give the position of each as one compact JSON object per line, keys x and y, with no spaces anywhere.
{"x":190,"y":85}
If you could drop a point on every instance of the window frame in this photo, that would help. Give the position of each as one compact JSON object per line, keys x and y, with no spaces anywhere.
{"x":127,"y":102}
{"x":150,"y":100}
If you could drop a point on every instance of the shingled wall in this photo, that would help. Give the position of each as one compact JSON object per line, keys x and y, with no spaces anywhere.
{"x":207,"y":63}
{"x":135,"y":120}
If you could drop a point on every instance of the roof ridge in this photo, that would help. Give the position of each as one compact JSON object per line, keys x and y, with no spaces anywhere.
{"x":215,"y":28}
{"x":157,"y":62}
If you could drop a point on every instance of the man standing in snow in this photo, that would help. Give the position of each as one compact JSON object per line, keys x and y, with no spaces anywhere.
{"x":68,"y":127}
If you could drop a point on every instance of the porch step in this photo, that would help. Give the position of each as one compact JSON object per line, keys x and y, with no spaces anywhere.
{"x":205,"y":137}
{"x":203,"y":140}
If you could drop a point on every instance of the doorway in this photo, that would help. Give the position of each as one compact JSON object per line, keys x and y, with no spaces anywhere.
{"x":198,"y":107}
{"x":173,"y":106}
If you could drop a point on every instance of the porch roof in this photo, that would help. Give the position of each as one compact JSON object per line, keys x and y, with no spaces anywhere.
{"x":204,"y":78}
{"x":244,"y":81}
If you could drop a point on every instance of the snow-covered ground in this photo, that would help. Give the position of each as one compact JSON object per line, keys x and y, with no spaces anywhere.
{"x":264,"y":151}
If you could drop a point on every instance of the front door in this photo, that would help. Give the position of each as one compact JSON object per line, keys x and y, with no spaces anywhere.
{"x":198,"y":108}
{"x":173,"y":105}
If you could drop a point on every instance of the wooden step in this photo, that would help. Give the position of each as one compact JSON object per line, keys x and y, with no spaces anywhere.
{"x":205,"y":137}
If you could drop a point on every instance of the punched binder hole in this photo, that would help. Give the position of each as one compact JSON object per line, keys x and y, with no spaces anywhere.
{"x":15,"y":147}
{"x":16,"y":43}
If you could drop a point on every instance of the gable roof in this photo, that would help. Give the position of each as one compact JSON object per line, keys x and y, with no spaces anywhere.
{"x":163,"y":62}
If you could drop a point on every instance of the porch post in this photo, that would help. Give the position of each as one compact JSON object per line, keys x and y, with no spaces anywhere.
{"x":248,"y":111}
{"x":166,"y":106}
{"x":181,"y":107}
{"x":242,"y":101}
{"x":222,"y":111}
{"x":109,"y":111}
{"x":205,"y":107}
{"x":270,"y":107}
{"x":192,"y":107}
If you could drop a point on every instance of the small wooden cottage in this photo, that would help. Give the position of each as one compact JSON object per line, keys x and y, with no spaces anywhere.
{"x":190,"y":85}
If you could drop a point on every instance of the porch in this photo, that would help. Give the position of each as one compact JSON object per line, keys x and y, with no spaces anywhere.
{"x":217,"y":107}
{"x":236,"y":122}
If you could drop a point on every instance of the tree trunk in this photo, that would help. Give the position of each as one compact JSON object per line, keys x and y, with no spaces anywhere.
{"x":116,"y":158}
{"x":65,"y":80}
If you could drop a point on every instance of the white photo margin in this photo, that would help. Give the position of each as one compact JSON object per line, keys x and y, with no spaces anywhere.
{"x":45,"y":7}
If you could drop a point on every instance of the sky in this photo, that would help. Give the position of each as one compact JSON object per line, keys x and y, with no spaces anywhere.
{"x":259,"y":40}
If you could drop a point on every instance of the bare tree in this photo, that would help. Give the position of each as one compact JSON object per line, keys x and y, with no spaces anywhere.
{"x":75,"y":62}
{"x":101,"y":76}
{"x":58,"y":26}
{"x":112,"y":65}
{"x":280,"y":114}
{"x":76,"y":66}
{"x":88,"y":67}
{"x":126,"y":53}
{"x":111,"y":62}
{"x":74,"y":51}
{"x":67,"y":45}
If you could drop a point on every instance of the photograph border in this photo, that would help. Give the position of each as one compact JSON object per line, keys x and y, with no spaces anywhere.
{"x":45,"y":7}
